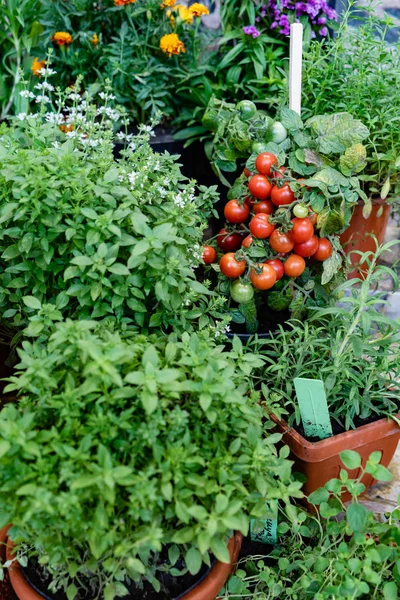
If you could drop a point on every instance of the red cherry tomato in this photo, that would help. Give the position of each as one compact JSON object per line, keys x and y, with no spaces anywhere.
{"x":260,"y":227}
{"x":265,"y":206}
{"x":295,"y":265}
{"x":231,"y":267}
{"x":277,"y":266}
{"x":302,"y":230}
{"x":324,"y":249}
{"x":264,"y":162}
{"x":307,"y":248}
{"x":247,"y":173}
{"x":259,"y":187}
{"x":313,"y":217}
{"x":209,"y":254}
{"x":281,"y":242}
{"x":247,"y":242}
{"x":264,"y":280}
{"x":235,"y":213}
{"x":250,"y":201}
{"x":282,"y":195}
{"x":229,"y":242}
{"x":279,"y":173}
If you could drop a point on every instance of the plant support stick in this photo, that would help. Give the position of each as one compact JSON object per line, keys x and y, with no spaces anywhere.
{"x":296,"y":54}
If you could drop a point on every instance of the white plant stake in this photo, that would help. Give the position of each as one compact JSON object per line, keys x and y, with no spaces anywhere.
{"x":296,"y":55}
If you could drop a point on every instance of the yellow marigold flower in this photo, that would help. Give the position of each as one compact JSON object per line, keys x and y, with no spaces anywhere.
{"x":95,"y":39}
{"x":37,"y":66}
{"x":198,"y":10}
{"x":62,"y":38}
{"x":184,"y":13}
{"x":123,"y":2}
{"x":167,"y":3}
{"x":171,"y":44}
{"x":66,"y":128}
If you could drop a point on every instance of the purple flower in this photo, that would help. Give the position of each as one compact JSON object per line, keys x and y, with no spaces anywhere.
{"x":251,"y":30}
{"x":321,"y":21}
{"x":323,"y":31}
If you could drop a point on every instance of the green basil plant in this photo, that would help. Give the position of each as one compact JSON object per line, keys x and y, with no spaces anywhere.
{"x":121,"y":448}
{"x":94,"y":237}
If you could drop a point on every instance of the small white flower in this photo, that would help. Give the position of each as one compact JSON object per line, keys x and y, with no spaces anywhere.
{"x":27,"y":94}
{"x":55,"y":145}
{"x":71,"y":134}
{"x":74,"y":96}
{"x":22,"y":116}
{"x":132,"y":177}
{"x":46,"y":71}
{"x":42,"y":98}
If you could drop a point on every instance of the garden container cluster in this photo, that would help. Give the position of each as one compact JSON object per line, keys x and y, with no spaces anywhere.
{"x":199,"y":380}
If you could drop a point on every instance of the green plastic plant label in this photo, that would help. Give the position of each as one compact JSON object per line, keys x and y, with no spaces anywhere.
{"x":313,"y":407}
{"x":264,"y":531}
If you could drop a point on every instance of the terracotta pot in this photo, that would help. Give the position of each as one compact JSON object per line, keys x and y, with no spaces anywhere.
{"x":320,"y":461}
{"x":206,"y":589}
{"x":214,"y":580}
{"x":355,"y":237}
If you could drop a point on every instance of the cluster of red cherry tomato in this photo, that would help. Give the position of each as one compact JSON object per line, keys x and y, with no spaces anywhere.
{"x":291,"y":244}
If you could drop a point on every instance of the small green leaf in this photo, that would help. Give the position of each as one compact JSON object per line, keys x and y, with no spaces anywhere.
{"x":72,"y":591}
{"x":32,"y":302}
{"x":220,"y":550}
{"x":4,"y":447}
{"x":390,"y":591}
{"x":193,"y":560}
{"x":319,"y":496}
{"x":350,"y":459}
{"x":119,"y":269}
{"x":357,"y":516}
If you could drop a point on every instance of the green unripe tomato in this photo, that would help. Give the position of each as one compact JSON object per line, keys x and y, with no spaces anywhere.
{"x":241,"y":292}
{"x":210,"y":120}
{"x":258,"y":147}
{"x":300,"y":211}
{"x":278,"y":132}
{"x":247,"y":110}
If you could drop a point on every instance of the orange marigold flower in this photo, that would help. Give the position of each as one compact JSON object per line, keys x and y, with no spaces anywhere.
{"x":66,"y":128}
{"x":123,"y":2}
{"x":168,"y":3}
{"x":198,"y":10}
{"x":37,"y":66}
{"x":95,"y":39}
{"x":171,"y":44}
{"x":62,"y":38}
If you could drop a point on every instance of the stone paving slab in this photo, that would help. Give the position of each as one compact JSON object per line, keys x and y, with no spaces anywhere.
{"x":384,"y":496}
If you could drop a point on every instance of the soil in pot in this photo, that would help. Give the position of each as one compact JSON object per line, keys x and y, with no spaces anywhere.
{"x":172,"y":586}
{"x":337,"y":428}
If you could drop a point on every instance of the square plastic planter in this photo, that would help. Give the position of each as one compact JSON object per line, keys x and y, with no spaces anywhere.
{"x":320,"y":461}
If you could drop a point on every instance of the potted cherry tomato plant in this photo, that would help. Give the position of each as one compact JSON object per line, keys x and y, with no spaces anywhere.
{"x":279,"y":250}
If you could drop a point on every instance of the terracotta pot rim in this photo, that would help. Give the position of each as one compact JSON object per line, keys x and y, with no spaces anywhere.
{"x":204,"y":589}
{"x":319,"y":451}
